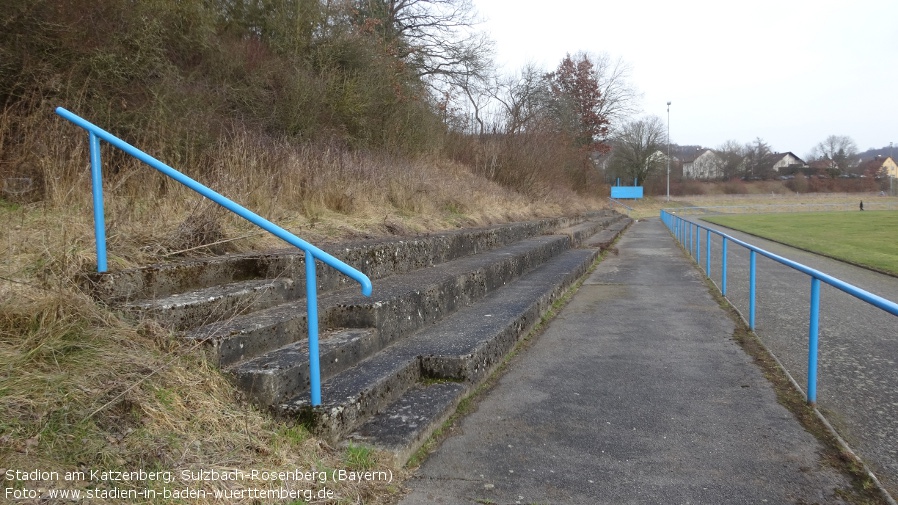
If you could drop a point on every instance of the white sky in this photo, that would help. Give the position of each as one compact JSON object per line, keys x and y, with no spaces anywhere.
{"x":789,"y":71}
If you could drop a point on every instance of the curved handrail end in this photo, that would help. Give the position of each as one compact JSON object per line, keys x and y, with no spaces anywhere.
{"x":366,"y":286}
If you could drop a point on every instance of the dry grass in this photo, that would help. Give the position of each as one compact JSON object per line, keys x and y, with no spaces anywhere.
{"x":85,"y":388}
{"x":651,"y":206}
{"x":88,"y":391}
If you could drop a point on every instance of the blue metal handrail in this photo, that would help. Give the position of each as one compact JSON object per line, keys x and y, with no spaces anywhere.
{"x":615,"y":202}
{"x":311,"y":252}
{"x":682,"y":229}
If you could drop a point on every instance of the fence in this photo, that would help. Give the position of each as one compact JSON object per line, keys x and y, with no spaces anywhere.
{"x":689,"y":234}
{"x":95,"y":134}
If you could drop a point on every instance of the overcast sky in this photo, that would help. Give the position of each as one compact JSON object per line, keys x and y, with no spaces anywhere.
{"x":789,"y":71}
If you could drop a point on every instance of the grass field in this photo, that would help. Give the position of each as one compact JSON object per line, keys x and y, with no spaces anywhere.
{"x":867,"y":238}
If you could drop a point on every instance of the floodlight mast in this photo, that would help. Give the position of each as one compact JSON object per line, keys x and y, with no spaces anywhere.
{"x":668,"y":151}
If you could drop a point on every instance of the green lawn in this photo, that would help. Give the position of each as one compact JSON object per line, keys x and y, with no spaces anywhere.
{"x":868,"y":238}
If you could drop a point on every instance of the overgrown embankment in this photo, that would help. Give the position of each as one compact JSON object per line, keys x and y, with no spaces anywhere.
{"x":295,"y":110}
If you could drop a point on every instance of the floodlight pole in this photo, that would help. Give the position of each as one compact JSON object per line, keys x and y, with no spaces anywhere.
{"x":668,"y":151}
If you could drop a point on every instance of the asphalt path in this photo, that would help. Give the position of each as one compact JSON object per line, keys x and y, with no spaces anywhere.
{"x":857,"y":388}
{"x":635,"y":393}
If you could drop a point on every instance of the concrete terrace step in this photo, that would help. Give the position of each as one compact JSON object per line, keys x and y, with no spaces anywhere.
{"x":193,"y":293}
{"x":579,"y":233}
{"x":188,"y":310}
{"x":403,"y":426}
{"x":463,"y":348}
{"x":377,"y":258}
{"x":274,"y":376}
{"x":603,"y":239}
{"x":399,"y":306}
{"x":445,"y":310}
{"x":160,"y":281}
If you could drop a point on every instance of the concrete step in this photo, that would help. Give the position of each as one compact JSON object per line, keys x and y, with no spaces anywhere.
{"x":276,"y":376}
{"x":160,"y":281}
{"x":399,"y":306}
{"x":204,"y":306}
{"x":193,"y":293}
{"x":354,"y":395}
{"x":603,"y":239}
{"x":464,"y":348}
{"x":445,"y":310}
{"x":581,"y":232}
{"x":376,"y":258}
{"x":403,"y":426}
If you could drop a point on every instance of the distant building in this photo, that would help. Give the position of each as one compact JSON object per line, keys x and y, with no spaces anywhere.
{"x":819,"y":166}
{"x":879,"y":166}
{"x":783,"y":163}
{"x":702,"y":164}
{"x":772,"y":165}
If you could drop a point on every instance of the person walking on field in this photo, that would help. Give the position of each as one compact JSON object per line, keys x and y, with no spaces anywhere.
{"x":862,"y":205}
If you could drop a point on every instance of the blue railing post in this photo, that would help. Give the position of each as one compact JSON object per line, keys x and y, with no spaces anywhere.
{"x":708,"y":253}
{"x":698,"y":246}
{"x":691,"y":240}
{"x":312,"y":315}
{"x":96,"y":179}
{"x":751,"y":290}
{"x":813,"y":331}
{"x":723,"y":268}
{"x":693,"y":231}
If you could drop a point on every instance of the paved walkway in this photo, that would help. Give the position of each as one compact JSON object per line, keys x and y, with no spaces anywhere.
{"x":635,"y":393}
{"x":857,"y":385}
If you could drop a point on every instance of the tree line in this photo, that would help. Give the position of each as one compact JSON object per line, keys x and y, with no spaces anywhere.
{"x":405,"y":77}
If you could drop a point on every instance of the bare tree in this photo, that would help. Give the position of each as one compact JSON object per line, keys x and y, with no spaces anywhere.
{"x":754,"y":166}
{"x":839,"y":150}
{"x":524,"y":99}
{"x":620,"y":98}
{"x":478,"y":87}
{"x":732,"y":153}
{"x":638,"y":148}
{"x":435,"y":37}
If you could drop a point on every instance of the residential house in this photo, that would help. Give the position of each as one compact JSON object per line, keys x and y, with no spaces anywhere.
{"x":702,"y":164}
{"x":820,"y":166}
{"x":783,"y":163}
{"x":879,"y":166}
{"x":775,"y":164}
{"x":772,"y":165}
